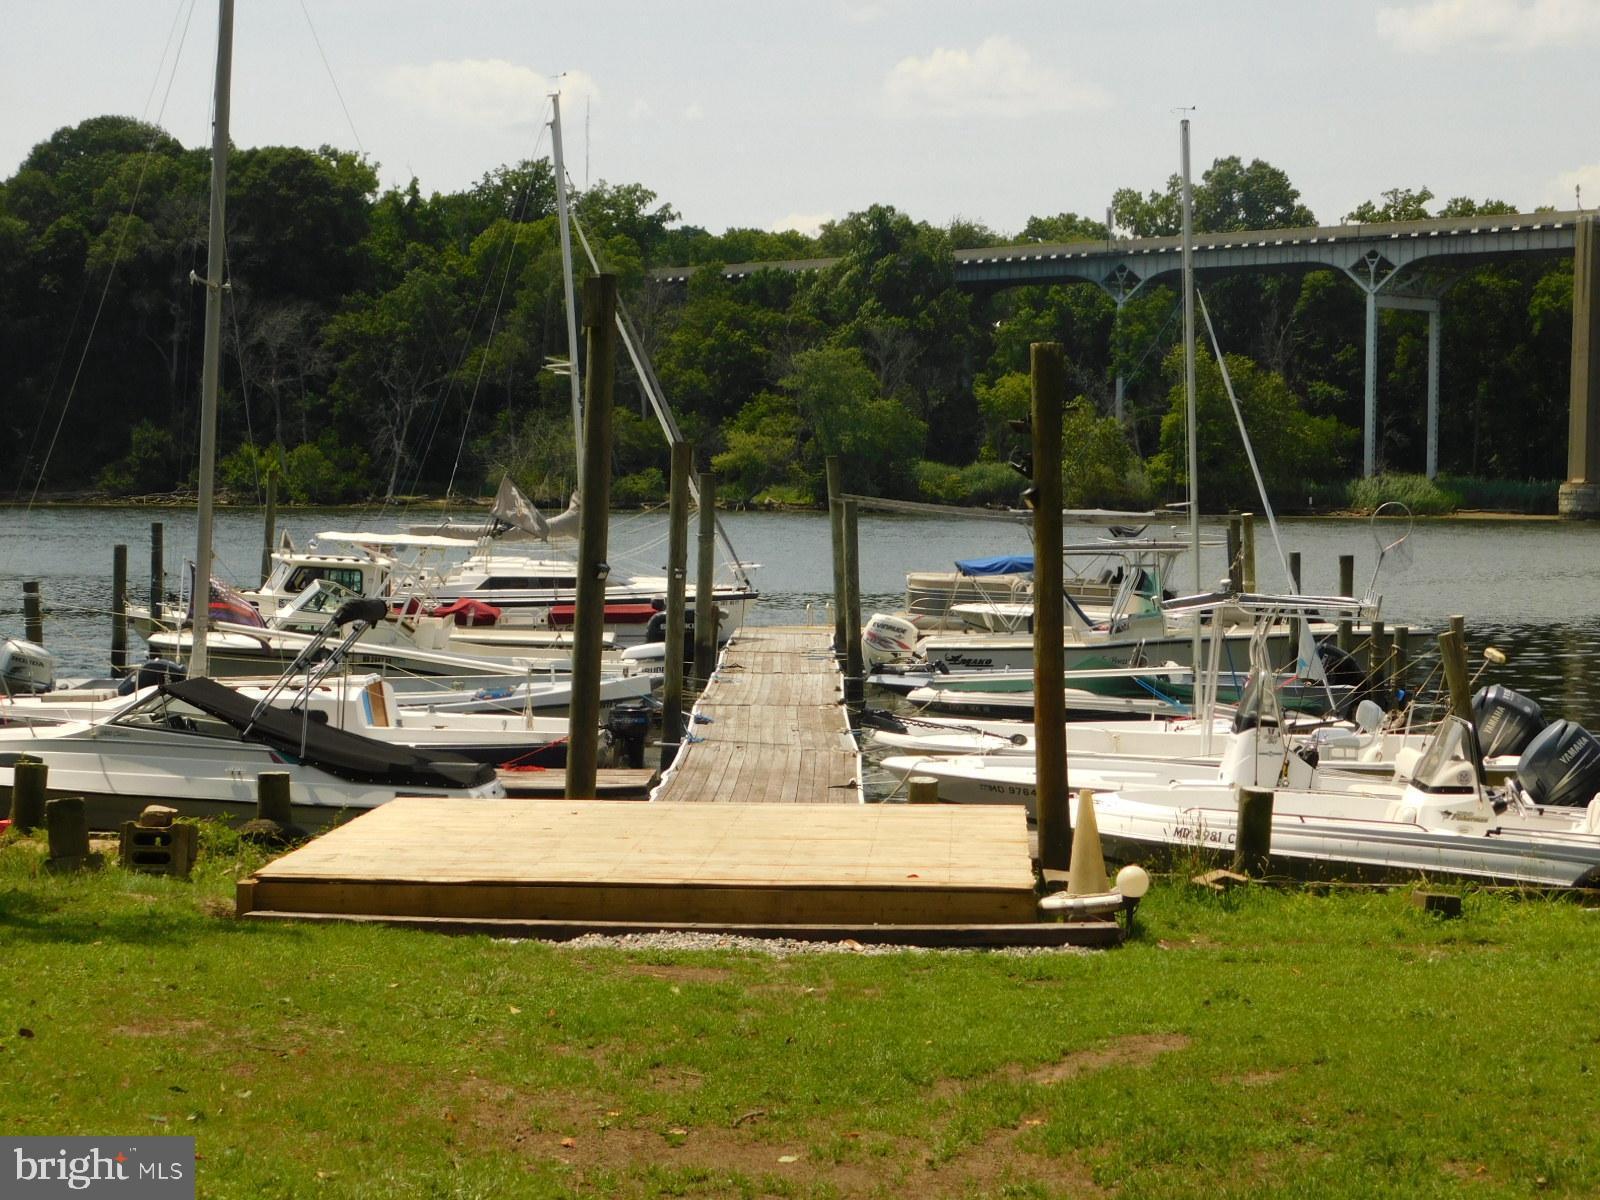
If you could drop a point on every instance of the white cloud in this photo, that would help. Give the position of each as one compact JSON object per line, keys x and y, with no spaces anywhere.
{"x":809,"y":224}
{"x":640,"y":110}
{"x":1561,"y":191}
{"x":694,"y":112}
{"x":999,"y":78}
{"x":484,"y":91}
{"x":1502,"y":24}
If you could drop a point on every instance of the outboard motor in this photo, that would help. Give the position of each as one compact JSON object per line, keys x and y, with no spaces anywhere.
{"x":1561,"y":766}
{"x":887,"y":638}
{"x":629,"y":726}
{"x":1506,"y":720}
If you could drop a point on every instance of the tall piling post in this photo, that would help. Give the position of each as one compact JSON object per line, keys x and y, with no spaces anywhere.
{"x":1347,"y":587}
{"x":677,"y":585}
{"x":32,"y":612}
{"x":1400,"y":662}
{"x":1453,"y":656}
{"x":269,"y":533}
{"x":854,"y":681}
{"x":1235,"y":572}
{"x":158,"y":570}
{"x":1247,"y":550}
{"x":836,"y":534}
{"x":705,"y":599}
{"x":1048,"y":370}
{"x":119,"y":609}
{"x":589,"y":618}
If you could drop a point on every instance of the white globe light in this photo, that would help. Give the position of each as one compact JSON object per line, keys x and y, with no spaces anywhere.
{"x":1133,"y":881}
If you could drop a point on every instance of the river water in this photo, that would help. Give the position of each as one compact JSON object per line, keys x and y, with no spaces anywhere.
{"x":1528,"y":587}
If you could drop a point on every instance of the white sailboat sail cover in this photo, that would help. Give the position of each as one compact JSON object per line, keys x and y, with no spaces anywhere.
{"x":565,"y":525}
{"x":517,"y":511}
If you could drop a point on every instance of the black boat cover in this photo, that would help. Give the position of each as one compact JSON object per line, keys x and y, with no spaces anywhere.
{"x":336,"y":751}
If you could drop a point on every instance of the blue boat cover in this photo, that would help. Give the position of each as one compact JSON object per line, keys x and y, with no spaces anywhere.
{"x":1003,"y":564}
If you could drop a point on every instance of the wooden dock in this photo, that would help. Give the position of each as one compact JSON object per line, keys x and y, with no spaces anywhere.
{"x":758,"y":828}
{"x":775,"y":730}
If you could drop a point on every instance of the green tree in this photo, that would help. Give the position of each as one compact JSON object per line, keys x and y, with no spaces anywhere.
{"x":1292,"y":447}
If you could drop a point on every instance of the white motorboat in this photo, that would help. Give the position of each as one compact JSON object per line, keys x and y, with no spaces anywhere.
{"x":1439,"y":824}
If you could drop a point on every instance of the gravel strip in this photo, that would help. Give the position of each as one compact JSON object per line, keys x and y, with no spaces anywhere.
{"x":785,"y":947}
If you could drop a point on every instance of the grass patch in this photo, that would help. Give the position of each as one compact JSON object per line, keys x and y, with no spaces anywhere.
{"x":1253,"y":1044}
{"x":1423,"y":496}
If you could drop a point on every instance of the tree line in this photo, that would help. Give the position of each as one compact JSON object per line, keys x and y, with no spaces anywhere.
{"x":382,"y":342}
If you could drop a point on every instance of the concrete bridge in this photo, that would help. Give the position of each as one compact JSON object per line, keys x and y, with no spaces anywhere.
{"x":1399,"y":265}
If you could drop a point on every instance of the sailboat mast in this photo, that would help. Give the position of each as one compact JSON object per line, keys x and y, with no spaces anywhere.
{"x":200,"y":596}
{"x":1188,"y":377}
{"x":566,"y":279}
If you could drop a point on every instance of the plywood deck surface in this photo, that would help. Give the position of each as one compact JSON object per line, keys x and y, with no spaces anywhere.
{"x":777,"y":731}
{"x":594,"y":860}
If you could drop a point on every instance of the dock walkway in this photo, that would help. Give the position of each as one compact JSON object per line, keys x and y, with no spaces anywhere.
{"x":775,"y":729}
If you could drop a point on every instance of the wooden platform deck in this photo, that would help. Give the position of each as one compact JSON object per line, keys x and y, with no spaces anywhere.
{"x":722,"y":865}
{"x":777,"y":731}
{"x":757,"y":829}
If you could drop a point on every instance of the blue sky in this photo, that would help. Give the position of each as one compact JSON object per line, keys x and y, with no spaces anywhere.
{"x":771,"y":115}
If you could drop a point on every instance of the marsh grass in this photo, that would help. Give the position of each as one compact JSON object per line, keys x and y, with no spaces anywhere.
{"x":1258,"y":1043}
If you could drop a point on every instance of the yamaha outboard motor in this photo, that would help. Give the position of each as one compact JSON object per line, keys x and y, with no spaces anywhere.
{"x":1506,"y":720}
{"x":630,"y":726}
{"x":1561,"y":766}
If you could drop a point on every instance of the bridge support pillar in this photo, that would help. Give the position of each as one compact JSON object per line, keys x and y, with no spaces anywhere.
{"x":1580,"y":494}
{"x":1434,"y":323}
{"x":1369,"y":423}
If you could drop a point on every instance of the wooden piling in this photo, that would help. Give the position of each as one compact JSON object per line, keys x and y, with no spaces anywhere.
{"x":28,"y":780}
{"x":1247,"y":551}
{"x":272,"y":798}
{"x":1400,"y":661}
{"x":1378,"y":656}
{"x":922,"y":789}
{"x":1347,"y":587}
{"x":677,"y":585}
{"x":270,"y":530}
{"x":1294,"y":572}
{"x":158,"y":570}
{"x":67,"y":828}
{"x":1235,"y":573}
{"x":1048,"y":370}
{"x":589,"y":617}
{"x":705,"y":598}
{"x":854,"y":674}
{"x":1253,"y":839}
{"x":119,"y":609}
{"x":836,"y":532}
{"x":1458,"y":626}
{"x":32,"y":612}
{"x":1453,"y":656}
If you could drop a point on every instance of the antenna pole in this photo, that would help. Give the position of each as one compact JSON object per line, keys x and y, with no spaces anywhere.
{"x":1191,"y":408}
{"x":565,"y":223}
{"x":200,"y":598}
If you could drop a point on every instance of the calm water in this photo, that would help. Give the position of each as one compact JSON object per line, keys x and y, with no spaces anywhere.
{"x":1528,"y":587}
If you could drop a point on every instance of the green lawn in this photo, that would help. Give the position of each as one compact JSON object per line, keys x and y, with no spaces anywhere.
{"x":1256,"y":1044}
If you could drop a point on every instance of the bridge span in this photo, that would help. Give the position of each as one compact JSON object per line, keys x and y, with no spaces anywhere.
{"x":1398,"y":265}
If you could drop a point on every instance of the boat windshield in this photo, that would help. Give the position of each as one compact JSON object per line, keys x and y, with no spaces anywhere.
{"x":1447,"y":749}
{"x":161,"y":711}
{"x":317,"y":602}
